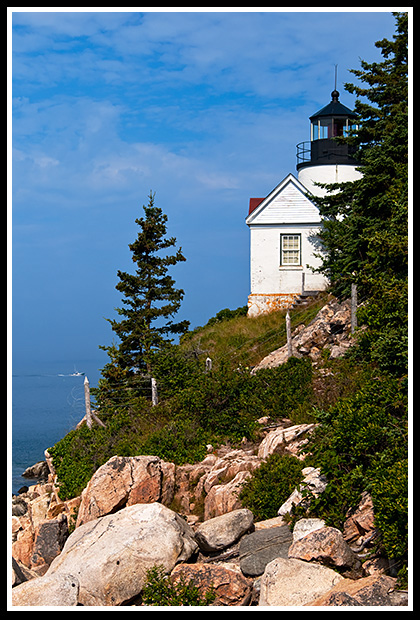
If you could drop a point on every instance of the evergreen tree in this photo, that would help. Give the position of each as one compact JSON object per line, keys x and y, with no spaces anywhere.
{"x":150,"y":298}
{"x":365,"y":222}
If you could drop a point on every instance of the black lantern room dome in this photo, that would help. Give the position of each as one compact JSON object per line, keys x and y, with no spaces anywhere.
{"x":334,"y":108}
{"x":332,"y":121}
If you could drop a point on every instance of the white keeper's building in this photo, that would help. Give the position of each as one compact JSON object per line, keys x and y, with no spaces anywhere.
{"x":284,"y":225}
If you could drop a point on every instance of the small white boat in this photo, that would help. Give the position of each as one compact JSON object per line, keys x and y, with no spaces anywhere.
{"x":76,"y":373}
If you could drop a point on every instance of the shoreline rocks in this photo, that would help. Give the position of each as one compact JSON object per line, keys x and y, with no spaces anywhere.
{"x":105,"y":560}
{"x":39,"y":471}
{"x":137,"y":512}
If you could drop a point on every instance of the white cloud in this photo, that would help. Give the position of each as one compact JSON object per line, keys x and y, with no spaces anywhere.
{"x":43,"y":161}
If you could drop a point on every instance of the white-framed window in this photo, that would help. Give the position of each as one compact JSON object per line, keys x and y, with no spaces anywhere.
{"x":290,"y":250}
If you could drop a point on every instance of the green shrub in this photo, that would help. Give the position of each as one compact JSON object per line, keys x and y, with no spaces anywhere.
{"x":280,"y":391}
{"x":390,"y":499}
{"x":161,"y":591}
{"x":178,"y":442}
{"x":75,"y":461}
{"x":270,"y":485}
{"x":362,"y":445}
{"x":78,"y":454}
{"x":226,"y":315}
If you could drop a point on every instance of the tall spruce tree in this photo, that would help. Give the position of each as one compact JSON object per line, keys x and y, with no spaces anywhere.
{"x":150,"y":300}
{"x":365,"y":222}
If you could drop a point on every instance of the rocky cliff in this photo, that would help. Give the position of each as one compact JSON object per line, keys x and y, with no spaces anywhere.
{"x":138,"y":512}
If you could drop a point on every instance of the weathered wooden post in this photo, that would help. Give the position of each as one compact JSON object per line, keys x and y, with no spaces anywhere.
{"x":87,"y":403}
{"x":154,"y":393}
{"x":353,"y":307}
{"x":90,"y":414}
{"x":289,"y":335}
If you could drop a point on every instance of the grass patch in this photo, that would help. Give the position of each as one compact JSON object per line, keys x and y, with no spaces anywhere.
{"x":245,"y":341}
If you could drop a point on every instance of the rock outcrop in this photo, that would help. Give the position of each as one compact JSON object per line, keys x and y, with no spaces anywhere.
{"x":109,"y":557}
{"x":330,"y":329}
{"x":290,"y":439}
{"x":261,"y":547}
{"x":325,"y":546}
{"x":220,"y":532}
{"x":47,"y":591}
{"x":313,"y":482}
{"x":293,"y":583}
{"x":371,"y":591}
{"x":39,"y":471}
{"x":124,"y":481}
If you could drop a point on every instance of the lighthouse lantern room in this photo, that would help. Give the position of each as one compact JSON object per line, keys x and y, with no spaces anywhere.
{"x":324,"y":159}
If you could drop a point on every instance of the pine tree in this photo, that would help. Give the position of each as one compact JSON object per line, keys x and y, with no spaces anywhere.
{"x":150,"y":299}
{"x":365,"y":222}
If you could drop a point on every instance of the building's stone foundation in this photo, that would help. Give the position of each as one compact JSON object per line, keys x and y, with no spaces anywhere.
{"x":271,"y":302}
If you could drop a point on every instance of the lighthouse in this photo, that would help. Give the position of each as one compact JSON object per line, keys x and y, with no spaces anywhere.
{"x":285,"y":250}
{"x":324,"y":159}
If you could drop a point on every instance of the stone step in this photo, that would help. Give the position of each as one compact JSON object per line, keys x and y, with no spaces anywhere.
{"x":304,"y":298}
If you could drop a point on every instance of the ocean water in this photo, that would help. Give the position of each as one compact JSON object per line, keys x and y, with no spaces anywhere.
{"x":47,"y":402}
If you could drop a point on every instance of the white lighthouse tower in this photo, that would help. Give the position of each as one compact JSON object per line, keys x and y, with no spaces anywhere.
{"x":323,"y":159}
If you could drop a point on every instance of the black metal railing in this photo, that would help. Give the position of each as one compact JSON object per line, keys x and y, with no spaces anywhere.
{"x":325,"y":151}
{"x":303,"y":152}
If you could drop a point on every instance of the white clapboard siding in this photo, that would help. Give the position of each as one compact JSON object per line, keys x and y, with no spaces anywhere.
{"x":286,"y":204}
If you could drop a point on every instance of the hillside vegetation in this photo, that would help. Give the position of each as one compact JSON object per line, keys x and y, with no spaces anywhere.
{"x":195,"y":407}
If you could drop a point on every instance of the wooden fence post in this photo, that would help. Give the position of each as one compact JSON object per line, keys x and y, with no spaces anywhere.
{"x":289,"y":335}
{"x":353,"y":307}
{"x":90,"y":414}
{"x":87,"y":403}
{"x":154,"y":393}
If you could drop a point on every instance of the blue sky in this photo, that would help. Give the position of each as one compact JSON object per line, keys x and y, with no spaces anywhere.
{"x":203,"y":107}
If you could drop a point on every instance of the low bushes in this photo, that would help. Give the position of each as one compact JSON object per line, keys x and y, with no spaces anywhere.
{"x":271,"y":485}
{"x":161,"y":591}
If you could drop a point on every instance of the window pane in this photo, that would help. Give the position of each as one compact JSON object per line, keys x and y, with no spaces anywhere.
{"x":339,"y":126}
{"x":348,"y":130}
{"x":290,"y":242}
{"x":324,"y":129}
{"x":291,"y":258}
{"x":290,"y":247}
